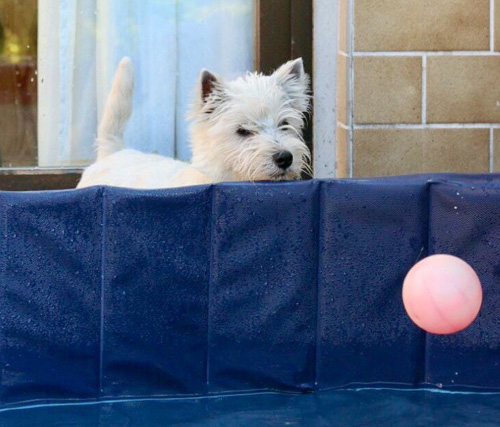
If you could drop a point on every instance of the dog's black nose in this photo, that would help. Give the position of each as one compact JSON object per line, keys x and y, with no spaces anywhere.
{"x":283,"y":159}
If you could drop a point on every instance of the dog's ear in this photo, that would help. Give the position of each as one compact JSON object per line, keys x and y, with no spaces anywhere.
{"x":208,"y":83}
{"x":210,"y":92}
{"x":294,"y":80}
{"x":293,"y":69}
{"x":208,"y":95}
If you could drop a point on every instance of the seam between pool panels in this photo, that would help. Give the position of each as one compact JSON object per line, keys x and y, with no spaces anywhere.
{"x":318,"y":284}
{"x":209,"y":290}
{"x":428,"y":244}
{"x":3,"y":254}
{"x":103,"y":265}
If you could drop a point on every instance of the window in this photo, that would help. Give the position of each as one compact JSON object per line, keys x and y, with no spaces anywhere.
{"x":58,"y":60}
{"x":18,"y":82}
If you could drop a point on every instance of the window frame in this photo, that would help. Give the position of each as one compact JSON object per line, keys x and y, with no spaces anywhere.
{"x":283,"y":31}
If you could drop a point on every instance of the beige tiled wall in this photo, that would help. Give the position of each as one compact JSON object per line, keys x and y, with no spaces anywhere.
{"x":419,"y":86}
{"x":403,"y":151}
{"x":387,"y":89}
{"x":343,"y":160}
{"x":463,"y":89}
{"x":420,"y":25}
{"x":496,"y":150}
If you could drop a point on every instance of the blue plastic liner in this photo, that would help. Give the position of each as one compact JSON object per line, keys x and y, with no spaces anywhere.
{"x":112,"y":293}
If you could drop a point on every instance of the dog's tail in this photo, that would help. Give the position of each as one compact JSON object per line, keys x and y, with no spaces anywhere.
{"x":117,"y":111}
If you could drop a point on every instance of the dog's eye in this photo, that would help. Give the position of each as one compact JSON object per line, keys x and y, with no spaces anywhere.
{"x":283,"y":123}
{"x":244,"y":132}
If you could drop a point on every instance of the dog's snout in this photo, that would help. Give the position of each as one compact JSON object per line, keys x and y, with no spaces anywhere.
{"x":283,"y":159}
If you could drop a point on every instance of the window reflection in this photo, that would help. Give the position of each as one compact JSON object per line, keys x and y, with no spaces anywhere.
{"x":18,"y":82}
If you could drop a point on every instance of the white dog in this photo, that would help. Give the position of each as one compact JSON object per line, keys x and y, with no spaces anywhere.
{"x":248,"y":129}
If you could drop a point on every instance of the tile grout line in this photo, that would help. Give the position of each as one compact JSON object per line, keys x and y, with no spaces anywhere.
{"x":427,"y":126}
{"x":424,"y":89}
{"x":428,"y":53}
{"x":350,"y":101}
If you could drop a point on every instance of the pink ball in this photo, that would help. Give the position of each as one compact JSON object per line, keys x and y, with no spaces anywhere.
{"x":442,"y":294}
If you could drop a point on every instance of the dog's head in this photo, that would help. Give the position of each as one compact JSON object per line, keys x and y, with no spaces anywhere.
{"x":250,"y":129}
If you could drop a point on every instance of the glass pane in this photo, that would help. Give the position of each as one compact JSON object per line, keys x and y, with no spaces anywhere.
{"x":80,"y":44}
{"x":18,"y":82}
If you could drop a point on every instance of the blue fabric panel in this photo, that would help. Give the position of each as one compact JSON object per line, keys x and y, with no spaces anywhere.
{"x":372,"y":233}
{"x":115,"y":293}
{"x":50,"y":295}
{"x":263,"y":287}
{"x":156,"y":263}
{"x":465,"y":221}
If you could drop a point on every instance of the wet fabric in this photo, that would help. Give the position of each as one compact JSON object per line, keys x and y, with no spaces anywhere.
{"x":110,"y":293}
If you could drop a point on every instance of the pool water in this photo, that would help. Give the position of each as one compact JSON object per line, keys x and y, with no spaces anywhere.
{"x":369,"y":407}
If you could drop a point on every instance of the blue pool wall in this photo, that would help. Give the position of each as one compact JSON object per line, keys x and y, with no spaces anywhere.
{"x":110,"y":293}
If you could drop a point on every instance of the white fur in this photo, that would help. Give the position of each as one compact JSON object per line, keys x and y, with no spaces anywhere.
{"x":256,"y":103}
